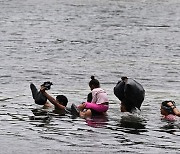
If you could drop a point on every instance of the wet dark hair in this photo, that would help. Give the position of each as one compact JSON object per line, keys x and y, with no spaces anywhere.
{"x":94,"y":82}
{"x":62,"y":99}
{"x":168,"y":108}
{"x":89,"y":97}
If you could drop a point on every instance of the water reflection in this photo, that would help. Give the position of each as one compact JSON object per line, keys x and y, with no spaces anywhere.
{"x":41,"y":117}
{"x":170,"y":127}
{"x":97,"y":121}
{"x":44,"y":117}
{"x":133,"y":124}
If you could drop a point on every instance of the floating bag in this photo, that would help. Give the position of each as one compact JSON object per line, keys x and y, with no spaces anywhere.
{"x":130,"y":92}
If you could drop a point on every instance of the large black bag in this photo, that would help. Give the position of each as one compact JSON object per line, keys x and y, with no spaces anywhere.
{"x":130,"y":92}
{"x":38,"y":97}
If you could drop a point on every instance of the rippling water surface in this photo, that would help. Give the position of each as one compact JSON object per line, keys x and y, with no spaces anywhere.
{"x":68,"y":41}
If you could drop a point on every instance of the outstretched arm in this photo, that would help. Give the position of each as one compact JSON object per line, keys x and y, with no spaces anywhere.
{"x":51,"y":99}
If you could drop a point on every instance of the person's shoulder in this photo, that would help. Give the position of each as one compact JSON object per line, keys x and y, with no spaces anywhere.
{"x":59,"y":112}
{"x":48,"y":105}
{"x":170,"y":117}
{"x":97,"y":90}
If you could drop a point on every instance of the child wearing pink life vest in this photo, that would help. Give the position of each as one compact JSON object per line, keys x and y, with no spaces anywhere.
{"x":99,"y":103}
{"x":169,"y":110}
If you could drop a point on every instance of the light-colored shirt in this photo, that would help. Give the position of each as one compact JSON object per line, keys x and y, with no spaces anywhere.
{"x":99,"y":96}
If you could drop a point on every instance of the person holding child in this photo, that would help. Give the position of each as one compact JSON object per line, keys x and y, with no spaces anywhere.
{"x":98,"y":103}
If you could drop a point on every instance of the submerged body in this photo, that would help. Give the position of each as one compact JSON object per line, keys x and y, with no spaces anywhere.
{"x":40,"y":97}
{"x":169,"y":111}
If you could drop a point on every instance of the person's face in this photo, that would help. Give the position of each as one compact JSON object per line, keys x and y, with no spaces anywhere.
{"x":163,"y":112}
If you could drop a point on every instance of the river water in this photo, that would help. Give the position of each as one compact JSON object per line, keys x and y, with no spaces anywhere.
{"x":68,"y":41}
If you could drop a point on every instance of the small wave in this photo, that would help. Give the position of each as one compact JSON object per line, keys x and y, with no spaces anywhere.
{"x":4,"y":99}
{"x":5,"y":76}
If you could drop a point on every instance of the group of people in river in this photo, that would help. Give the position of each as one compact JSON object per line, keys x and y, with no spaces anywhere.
{"x":128,"y":91}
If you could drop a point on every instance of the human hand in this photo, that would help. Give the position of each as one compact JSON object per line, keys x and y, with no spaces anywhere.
{"x":42,"y":89}
{"x":170,"y":104}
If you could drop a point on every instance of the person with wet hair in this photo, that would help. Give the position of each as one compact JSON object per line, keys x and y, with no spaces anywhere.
{"x":169,"y":110}
{"x":41,"y":97}
{"x":98,"y":101}
{"x":60,"y":102}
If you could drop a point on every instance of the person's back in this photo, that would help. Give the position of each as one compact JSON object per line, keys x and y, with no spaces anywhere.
{"x":99,"y":96}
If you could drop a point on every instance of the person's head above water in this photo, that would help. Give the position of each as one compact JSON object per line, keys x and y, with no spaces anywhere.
{"x":166,"y":109}
{"x":62,"y":100}
{"x":94,"y":83}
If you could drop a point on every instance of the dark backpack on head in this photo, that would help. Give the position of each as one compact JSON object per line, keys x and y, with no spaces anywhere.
{"x":130,"y":92}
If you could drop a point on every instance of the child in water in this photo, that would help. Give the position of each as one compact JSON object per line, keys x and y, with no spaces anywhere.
{"x":99,"y":103}
{"x":169,"y":110}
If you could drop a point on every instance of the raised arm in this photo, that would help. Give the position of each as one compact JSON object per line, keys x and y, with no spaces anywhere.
{"x":175,"y":110}
{"x":51,"y":99}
